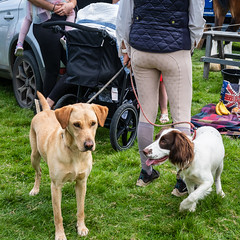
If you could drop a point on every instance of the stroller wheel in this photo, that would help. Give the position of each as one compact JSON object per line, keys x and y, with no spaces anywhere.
{"x":123,"y":127}
{"x":66,"y":100}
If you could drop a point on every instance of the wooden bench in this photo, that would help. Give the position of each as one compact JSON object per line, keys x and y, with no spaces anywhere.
{"x":219,"y":58}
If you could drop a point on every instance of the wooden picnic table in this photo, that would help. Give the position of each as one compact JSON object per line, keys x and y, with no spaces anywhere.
{"x":220,"y":57}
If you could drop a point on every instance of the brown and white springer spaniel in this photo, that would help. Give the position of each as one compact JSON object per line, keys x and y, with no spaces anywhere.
{"x":199,"y":161}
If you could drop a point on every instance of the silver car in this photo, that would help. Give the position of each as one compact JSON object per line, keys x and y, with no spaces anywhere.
{"x":26,"y":71}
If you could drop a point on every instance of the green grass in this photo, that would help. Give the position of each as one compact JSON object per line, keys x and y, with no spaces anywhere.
{"x":115,"y":208}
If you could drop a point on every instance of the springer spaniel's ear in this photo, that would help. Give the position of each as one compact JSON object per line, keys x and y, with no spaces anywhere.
{"x":182,"y":151}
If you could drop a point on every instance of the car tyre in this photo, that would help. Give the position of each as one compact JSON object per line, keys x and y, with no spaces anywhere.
{"x":26,"y":79}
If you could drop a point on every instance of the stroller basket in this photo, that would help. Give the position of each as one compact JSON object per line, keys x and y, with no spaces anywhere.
{"x":92,"y":55}
{"x":92,"y":58}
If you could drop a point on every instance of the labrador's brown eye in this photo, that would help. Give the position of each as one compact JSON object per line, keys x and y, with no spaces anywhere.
{"x":93,"y":124}
{"x":77,"y":125}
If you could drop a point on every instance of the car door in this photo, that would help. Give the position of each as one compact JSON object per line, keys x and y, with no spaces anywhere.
{"x":9,"y":10}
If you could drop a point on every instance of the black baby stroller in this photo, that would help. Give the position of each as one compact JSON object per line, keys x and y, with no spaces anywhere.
{"x":94,"y":67}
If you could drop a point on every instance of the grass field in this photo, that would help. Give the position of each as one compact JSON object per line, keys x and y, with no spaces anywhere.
{"x":115,"y":208}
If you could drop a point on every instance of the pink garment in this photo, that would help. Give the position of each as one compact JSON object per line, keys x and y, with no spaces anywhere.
{"x":24,"y":30}
{"x":33,"y":12}
{"x":39,"y":15}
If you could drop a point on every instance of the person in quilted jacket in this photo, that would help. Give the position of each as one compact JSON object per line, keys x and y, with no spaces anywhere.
{"x":157,"y":37}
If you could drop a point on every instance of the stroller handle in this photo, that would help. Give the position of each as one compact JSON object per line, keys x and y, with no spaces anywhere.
{"x":55,"y":25}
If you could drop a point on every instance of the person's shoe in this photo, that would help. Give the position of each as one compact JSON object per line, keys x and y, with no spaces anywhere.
{"x":180,"y":188}
{"x":19,"y":50}
{"x":63,"y":42}
{"x":144,"y":179}
{"x":164,"y":118}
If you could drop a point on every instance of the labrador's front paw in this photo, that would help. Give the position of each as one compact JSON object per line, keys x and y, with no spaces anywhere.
{"x":34,"y":192}
{"x":60,"y":236}
{"x":82,"y":230}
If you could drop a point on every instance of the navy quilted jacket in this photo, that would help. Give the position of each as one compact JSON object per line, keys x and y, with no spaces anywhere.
{"x":160,"y":26}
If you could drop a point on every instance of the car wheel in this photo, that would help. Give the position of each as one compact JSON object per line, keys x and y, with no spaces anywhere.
{"x":26,"y":79}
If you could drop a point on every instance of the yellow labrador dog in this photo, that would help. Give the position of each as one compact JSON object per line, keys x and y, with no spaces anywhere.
{"x":64,"y":138}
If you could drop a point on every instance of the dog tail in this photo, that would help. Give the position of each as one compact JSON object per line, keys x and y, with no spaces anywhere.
{"x":43,"y":102}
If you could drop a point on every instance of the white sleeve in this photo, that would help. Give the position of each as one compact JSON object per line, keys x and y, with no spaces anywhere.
{"x":196,"y":21}
{"x":123,"y":25}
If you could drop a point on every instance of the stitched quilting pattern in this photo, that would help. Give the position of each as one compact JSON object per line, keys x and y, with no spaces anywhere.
{"x":169,"y":17}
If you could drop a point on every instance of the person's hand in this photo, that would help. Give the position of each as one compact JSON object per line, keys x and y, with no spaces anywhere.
{"x":63,"y":9}
{"x":58,"y":9}
{"x":126,"y":60}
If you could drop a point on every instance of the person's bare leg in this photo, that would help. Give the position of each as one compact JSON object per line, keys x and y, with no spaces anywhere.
{"x":163,"y":99}
{"x":163,"y":103}
{"x":50,"y":102}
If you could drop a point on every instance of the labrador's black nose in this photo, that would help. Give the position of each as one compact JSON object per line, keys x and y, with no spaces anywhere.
{"x":88,"y":145}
